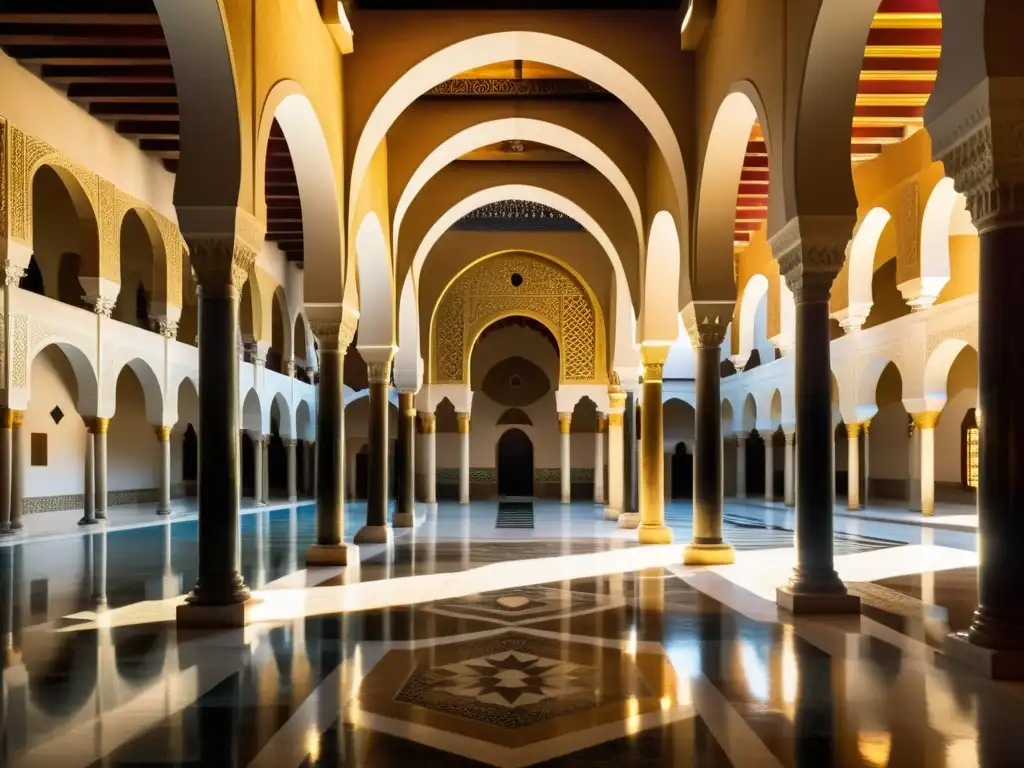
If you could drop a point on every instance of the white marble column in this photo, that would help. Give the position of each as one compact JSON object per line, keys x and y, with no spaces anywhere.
{"x":257,"y":470}
{"x":741,"y":465}
{"x":266,"y":468}
{"x":463,"y":424}
{"x":925,"y":423}
{"x":789,"y":464}
{"x":865,"y":469}
{"x":602,"y":423}
{"x":5,"y":470}
{"x":616,"y":456}
{"x":428,"y":427}
{"x":565,"y":457}
{"x":769,"y":467}
{"x":853,"y":466}
{"x":289,"y":446}
{"x":163,"y":436}
{"x":17,"y":470}
{"x":100,"y":427}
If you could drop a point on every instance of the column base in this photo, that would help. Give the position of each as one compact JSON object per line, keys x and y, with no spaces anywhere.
{"x":629,"y":520}
{"x":6,"y":530}
{"x":164,"y":510}
{"x":190,"y":616}
{"x":259,"y":504}
{"x":709,"y":554}
{"x":374,"y":534}
{"x":292,"y":499}
{"x":463,"y":501}
{"x":323,"y":555}
{"x":87,"y":521}
{"x":655,"y":534}
{"x":403,"y":520}
{"x":101,"y":515}
{"x":987,"y":662}
{"x":612,"y":513}
{"x":816,"y":603}
{"x":17,"y":526}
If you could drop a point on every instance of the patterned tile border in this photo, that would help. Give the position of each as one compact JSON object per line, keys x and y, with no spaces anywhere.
{"x":35,"y":504}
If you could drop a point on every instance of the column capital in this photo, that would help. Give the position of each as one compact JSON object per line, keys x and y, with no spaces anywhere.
{"x":163,"y":433}
{"x":290,"y":442}
{"x":258,"y":437}
{"x":406,"y":402}
{"x":790,"y":436}
{"x":379,"y":372}
{"x":463,"y":420}
{"x":653,"y":358}
{"x":810,"y":251}
{"x":926,"y":419}
{"x":980,"y":142}
{"x":602,"y":424}
{"x":615,"y":419}
{"x":741,"y":435}
{"x":223,"y":244}
{"x":101,"y":305}
{"x":99,"y":425}
{"x":334,"y":325}
{"x":18,"y":418}
{"x":167,"y":328}
{"x":426,"y":423}
{"x":564,"y":423}
{"x":853,"y":430}
{"x":706,"y":322}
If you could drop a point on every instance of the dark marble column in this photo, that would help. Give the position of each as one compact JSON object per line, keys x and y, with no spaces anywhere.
{"x":406,"y":459}
{"x":707,"y":547}
{"x":630,"y":517}
{"x":221,"y":261}
{"x":815,"y":586}
{"x":999,"y":620}
{"x":377,"y":530}
{"x":329,"y":478}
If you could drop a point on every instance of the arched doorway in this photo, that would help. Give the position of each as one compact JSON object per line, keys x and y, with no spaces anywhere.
{"x":515,"y":464}
{"x":682,"y":473}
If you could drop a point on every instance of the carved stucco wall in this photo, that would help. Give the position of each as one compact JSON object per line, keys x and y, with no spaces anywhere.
{"x":490,"y":290}
{"x":22,"y":155}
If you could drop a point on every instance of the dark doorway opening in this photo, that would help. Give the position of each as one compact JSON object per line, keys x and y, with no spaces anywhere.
{"x":515,"y":464}
{"x":682,"y":473}
{"x":248,"y":468}
{"x":190,"y":456}
{"x":755,"y":464}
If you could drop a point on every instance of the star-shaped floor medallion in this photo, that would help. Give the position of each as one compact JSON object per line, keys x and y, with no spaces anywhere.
{"x":514,"y":679}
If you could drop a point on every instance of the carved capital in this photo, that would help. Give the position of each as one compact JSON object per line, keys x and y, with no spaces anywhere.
{"x":564,"y":423}
{"x":99,"y":426}
{"x":790,"y":437}
{"x":13,"y":273}
{"x":101,"y":305}
{"x":379,"y":372}
{"x":811,"y":251}
{"x":334,"y":331}
{"x":163,"y":434}
{"x":223,"y":245}
{"x":463,"y":421}
{"x":167,"y":328}
{"x":707,"y":321}
{"x":427,"y":423}
{"x":980,"y":141}
{"x":615,"y":419}
{"x":853,"y":430}
{"x":926,"y":419}
{"x":602,"y":425}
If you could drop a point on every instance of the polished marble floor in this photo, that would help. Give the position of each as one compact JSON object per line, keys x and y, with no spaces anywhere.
{"x":467,"y":644}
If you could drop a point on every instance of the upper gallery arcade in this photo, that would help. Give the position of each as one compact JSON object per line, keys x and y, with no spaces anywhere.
{"x":412,"y":233}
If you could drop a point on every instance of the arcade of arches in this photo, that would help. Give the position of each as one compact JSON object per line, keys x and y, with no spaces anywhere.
{"x":663,"y":262}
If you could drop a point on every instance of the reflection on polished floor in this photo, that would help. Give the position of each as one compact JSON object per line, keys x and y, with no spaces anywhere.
{"x":467,"y":644}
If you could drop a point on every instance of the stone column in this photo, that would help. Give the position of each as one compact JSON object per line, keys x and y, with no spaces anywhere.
{"x":266,"y":468}
{"x":741,"y":465}
{"x":602,"y":424}
{"x":377,"y":530}
{"x":163,"y":436}
{"x":222,"y":253}
{"x":914,"y":466}
{"x":428,"y":424}
{"x":769,"y":467}
{"x":17,"y":470}
{"x":707,"y":546}
{"x":309,"y":456}
{"x":565,"y":456}
{"x":853,"y":466}
{"x":405,"y":514}
{"x":616,"y":446}
{"x":790,"y":497}
{"x":334,"y":333}
{"x":652,"y":445}
{"x":6,"y":425}
{"x":866,"y":465}
{"x":925,"y":423}
{"x":99,"y":427}
{"x":463,"y":423}
{"x":630,"y":517}
{"x":257,"y":470}
{"x":89,"y":492}
{"x":810,"y":252}
{"x":289,"y":447}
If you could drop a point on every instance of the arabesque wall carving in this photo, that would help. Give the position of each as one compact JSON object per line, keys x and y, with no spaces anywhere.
{"x":22,"y":155}
{"x":511,"y":284}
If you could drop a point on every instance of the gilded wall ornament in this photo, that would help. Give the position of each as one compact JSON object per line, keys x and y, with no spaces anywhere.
{"x":518,"y":284}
